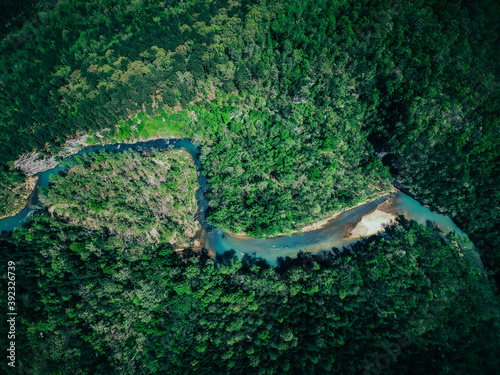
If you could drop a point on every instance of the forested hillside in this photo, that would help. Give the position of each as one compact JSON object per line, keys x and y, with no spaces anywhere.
{"x":98,"y":309}
{"x":418,"y":78}
{"x":301,"y":109}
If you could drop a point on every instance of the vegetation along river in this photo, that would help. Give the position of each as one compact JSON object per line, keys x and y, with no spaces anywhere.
{"x":342,"y":230}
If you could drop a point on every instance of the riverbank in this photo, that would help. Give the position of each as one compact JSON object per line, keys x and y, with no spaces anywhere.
{"x":32,"y":163}
{"x":372,"y":223}
{"x":320,"y":223}
{"x":28,"y":189}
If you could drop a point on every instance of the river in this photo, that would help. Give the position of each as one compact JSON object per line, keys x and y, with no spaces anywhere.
{"x":343,"y":230}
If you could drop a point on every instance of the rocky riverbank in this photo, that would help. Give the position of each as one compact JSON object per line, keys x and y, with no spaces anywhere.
{"x":33,"y":163}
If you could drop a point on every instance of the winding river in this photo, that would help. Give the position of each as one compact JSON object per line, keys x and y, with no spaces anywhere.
{"x":342,"y":230}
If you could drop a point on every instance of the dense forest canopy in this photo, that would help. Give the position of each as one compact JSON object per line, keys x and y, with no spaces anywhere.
{"x":301,"y":109}
{"x":113,"y":298}
{"x":419,"y":79}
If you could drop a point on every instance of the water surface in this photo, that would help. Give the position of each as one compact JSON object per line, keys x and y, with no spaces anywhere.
{"x":334,"y":234}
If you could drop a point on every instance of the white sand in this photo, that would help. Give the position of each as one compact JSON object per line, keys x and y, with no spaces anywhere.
{"x":372,"y":223}
{"x":319,"y":224}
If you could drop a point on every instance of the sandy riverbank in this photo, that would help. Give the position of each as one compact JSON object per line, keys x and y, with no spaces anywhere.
{"x":372,"y":223}
{"x":318,"y":224}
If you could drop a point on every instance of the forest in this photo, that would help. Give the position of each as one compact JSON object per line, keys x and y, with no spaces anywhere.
{"x":416,"y":81}
{"x":113,"y":298}
{"x":149,"y":196}
{"x":301,"y":109}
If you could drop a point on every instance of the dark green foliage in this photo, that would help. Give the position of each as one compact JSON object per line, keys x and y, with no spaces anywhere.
{"x":420,"y":76}
{"x":267,"y":175}
{"x":284,"y":95}
{"x":13,"y":191}
{"x":99,"y":308}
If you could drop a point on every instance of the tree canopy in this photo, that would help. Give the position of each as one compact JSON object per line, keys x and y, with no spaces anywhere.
{"x":301,"y":109}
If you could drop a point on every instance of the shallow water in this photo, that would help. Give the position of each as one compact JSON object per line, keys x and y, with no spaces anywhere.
{"x":334,"y":234}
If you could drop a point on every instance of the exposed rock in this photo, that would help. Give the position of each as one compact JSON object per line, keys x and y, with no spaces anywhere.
{"x":32,"y":164}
